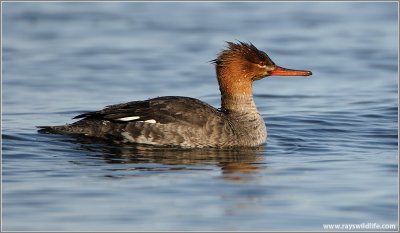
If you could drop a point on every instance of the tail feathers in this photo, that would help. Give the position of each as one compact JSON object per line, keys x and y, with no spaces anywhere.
{"x":63,"y":129}
{"x":91,"y":127}
{"x":52,"y":129}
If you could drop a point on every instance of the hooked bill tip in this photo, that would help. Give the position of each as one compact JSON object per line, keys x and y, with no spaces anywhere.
{"x":280,"y":71}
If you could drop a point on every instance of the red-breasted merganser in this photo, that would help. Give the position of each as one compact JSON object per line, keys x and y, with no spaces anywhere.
{"x":188,"y":122}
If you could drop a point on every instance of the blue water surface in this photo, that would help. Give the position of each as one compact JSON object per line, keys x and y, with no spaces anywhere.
{"x":332,"y":150}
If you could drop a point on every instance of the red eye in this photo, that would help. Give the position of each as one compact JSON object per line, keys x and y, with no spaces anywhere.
{"x":262,"y":63}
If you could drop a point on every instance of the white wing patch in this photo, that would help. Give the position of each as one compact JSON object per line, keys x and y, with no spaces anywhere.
{"x":151,"y":121}
{"x":132,"y":118}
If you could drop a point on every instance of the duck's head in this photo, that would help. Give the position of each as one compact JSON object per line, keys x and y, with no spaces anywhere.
{"x":242,"y":63}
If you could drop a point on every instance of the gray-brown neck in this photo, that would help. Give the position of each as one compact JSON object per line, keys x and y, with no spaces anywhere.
{"x":245,"y":120}
{"x":238,"y":103}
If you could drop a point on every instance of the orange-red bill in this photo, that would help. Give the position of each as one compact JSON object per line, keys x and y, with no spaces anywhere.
{"x":280,"y":71}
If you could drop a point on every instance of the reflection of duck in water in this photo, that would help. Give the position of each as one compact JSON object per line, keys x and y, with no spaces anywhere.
{"x":233,"y":163}
{"x":188,"y":122}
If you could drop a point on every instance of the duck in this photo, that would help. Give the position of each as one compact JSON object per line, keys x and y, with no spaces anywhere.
{"x":188,"y":122}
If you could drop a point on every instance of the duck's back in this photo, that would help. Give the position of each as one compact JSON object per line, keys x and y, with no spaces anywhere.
{"x":170,"y":120}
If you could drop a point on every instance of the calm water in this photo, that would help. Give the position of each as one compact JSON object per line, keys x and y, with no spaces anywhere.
{"x":332,"y":150}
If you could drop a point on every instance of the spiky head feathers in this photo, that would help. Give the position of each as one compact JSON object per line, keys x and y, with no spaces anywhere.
{"x":242,"y":51}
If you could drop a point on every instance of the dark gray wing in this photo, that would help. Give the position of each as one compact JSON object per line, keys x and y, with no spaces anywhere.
{"x":161,"y":110}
